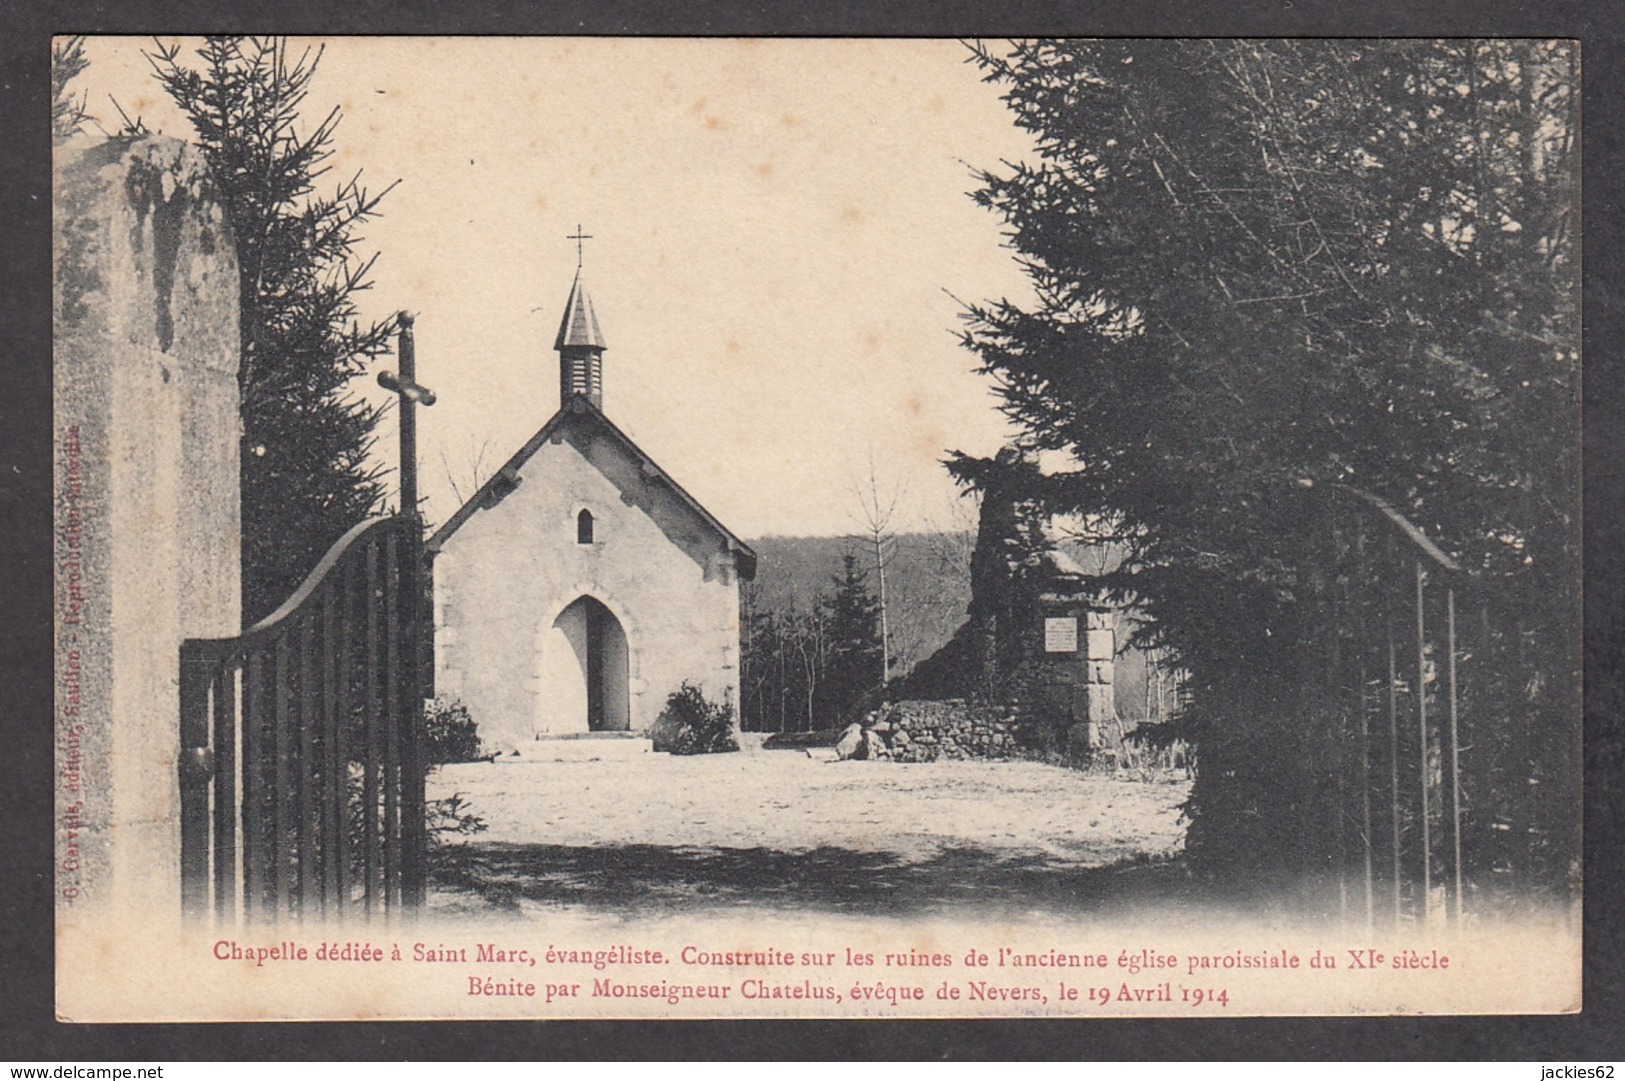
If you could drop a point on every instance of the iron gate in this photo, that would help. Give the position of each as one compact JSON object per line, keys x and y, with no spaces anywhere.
{"x":302,"y":761}
{"x":1446,"y":752}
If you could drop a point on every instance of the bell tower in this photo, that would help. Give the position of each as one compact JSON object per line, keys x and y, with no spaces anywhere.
{"x":580,"y":344}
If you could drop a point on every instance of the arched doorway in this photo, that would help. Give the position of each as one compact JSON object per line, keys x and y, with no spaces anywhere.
{"x":585,"y":686}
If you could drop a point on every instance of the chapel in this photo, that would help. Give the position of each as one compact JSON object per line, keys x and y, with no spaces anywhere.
{"x":581,"y":585}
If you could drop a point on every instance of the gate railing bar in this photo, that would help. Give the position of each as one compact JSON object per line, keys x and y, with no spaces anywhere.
{"x":1396,"y":806}
{"x":1365,"y":802}
{"x":1424,"y":770}
{"x":196,"y":767}
{"x":1455,"y":749}
{"x":391,"y":581}
{"x":255,"y":871}
{"x":1405,"y":526}
{"x":370,"y":863}
{"x":225,"y":801}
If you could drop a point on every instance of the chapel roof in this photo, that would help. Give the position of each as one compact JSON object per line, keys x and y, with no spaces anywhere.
{"x":581,"y":410}
{"x":579,"y":327}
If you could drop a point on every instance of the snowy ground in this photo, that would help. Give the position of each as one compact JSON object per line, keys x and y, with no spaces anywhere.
{"x":777,"y":828}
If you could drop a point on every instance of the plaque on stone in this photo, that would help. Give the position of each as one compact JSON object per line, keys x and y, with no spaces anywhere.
{"x":1060,"y":634}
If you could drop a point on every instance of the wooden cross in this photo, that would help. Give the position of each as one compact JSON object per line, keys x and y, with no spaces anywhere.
{"x":411,"y":395}
{"x":578,"y":236}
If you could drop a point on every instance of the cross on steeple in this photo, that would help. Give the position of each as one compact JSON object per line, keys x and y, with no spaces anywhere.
{"x":578,"y":236}
{"x":580,"y":344}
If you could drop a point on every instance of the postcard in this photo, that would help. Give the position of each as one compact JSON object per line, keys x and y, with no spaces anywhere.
{"x":715,"y":528}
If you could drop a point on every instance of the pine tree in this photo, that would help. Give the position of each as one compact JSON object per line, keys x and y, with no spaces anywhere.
{"x":855,"y":673}
{"x":1265,"y":269}
{"x":68,"y":113}
{"x":305,"y":473}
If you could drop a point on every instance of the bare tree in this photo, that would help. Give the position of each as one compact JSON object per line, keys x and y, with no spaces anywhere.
{"x":811,"y":645}
{"x":877,"y":506}
{"x":472,"y":471}
{"x":953,"y":540}
{"x":928,"y":583}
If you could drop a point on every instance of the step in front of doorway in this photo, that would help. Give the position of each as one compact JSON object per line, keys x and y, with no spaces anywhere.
{"x":586,"y":747}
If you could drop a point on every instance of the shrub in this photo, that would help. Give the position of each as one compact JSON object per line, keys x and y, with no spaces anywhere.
{"x":445,"y":821}
{"x":691,"y":724}
{"x":449,"y":818}
{"x":449,"y":733}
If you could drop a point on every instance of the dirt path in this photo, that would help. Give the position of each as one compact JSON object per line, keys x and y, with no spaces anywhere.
{"x":780,"y":828}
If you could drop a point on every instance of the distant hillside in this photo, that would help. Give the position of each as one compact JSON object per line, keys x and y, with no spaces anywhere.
{"x":927,"y":583}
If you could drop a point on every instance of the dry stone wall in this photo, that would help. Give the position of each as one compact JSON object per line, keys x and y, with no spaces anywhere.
{"x":925,"y":731}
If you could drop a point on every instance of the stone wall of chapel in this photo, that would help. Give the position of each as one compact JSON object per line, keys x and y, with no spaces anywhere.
{"x":506,"y":574}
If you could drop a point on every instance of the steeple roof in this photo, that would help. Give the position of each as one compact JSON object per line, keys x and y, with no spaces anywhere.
{"x":579,"y":328}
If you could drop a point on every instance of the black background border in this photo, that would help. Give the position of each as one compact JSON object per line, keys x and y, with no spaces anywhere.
{"x":28,"y":1029}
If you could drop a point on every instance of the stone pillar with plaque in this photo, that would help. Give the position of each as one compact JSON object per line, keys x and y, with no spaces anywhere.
{"x":1079,"y":646}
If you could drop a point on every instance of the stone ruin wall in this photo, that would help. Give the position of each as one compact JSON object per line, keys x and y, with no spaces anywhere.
{"x":925,"y":731}
{"x":1053,"y":706}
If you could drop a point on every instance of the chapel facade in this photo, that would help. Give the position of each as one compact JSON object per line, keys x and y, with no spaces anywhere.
{"x":581,"y":585}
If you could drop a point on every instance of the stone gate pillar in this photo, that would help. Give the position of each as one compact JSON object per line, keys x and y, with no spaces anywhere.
{"x":146,"y":502}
